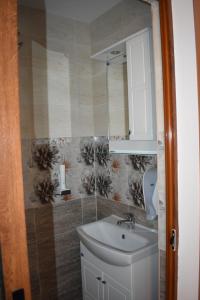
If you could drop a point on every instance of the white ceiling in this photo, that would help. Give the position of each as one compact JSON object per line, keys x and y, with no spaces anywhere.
{"x":81,"y":10}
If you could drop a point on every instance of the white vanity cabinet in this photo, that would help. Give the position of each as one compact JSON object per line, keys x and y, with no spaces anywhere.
{"x":140,"y":86}
{"x":91,"y":281}
{"x":113,"y":290}
{"x":99,"y":286}
{"x":102,"y":281}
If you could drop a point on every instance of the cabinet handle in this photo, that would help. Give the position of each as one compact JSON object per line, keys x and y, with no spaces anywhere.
{"x":104,"y":282}
{"x":98,"y":278}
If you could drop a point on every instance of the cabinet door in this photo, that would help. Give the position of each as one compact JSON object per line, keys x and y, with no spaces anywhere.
{"x":113,"y":290}
{"x":91,"y":281}
{"x":139,"y":66}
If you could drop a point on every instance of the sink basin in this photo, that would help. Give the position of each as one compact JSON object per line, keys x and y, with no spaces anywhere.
{"x":117,"y":244}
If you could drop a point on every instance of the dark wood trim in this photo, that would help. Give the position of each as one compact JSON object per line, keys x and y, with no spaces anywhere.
{"x":170,"y":144}
{"x":196,"y":4}
{"x":12,"y":215}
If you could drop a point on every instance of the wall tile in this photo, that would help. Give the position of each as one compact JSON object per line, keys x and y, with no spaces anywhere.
{"x":46,"y":252}
{"x":124,"y":19}
{"x":140,"y":216}
{"x":70,"y":288}
{"x":75,"y":294}
{"x":162,"y":275}
{"x":54,"y":248}
{"x":67,"y":251}
{"x":90,"y":170}
{"x":55,"y":55}
{"x":101,"y":117}
{"x":106,"y":208}
{"x":33,"y":253}
{"x":67,"y":216}
{"x":89,"y":210}
{"x":120,"y":177}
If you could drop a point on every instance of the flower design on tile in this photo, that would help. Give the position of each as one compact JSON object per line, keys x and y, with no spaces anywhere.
{"x":115,"y":165}
{"x":45,"y":156}
{"x":88,"y":183}
{"x":45,"y":189}
{"x":103,"y":184}
{"x":140,"y":162}
{"x":102,"y":154}
{"x":87,"y":153}
{"x":136,"y":192}
{"x":117,"y":197}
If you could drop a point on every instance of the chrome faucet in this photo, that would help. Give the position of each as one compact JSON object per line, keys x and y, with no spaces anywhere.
{"x":130,"y":219}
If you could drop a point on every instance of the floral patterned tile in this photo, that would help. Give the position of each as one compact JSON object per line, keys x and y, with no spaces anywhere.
{"x":135,"y":190}
{"x":90,"y":169}
{"x":74,"y":147}
{"x":45,"y":189}
{"x":119,"y":177}
{"x":63,"y":146}
{"x":137,"y":166}
{"x":44,"y":155}
{"x":104,"y":184}
{"x":87,"y":149}
{"x":102,"y":155}
{"x":87,"y":187}
{"x":141,"y":163}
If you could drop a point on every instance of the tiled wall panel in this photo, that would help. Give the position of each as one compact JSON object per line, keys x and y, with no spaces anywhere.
{"x":124,"y":19}
{"x":100,"y":185}
{"x":53,"y":245}
{"x":90,"y":170}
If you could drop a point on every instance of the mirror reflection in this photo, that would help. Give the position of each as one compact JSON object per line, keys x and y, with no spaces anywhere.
{"x":77,"y":98}
{"x":118,"y":94}
{"x":117,"y":89}
{"x":131,"y":91}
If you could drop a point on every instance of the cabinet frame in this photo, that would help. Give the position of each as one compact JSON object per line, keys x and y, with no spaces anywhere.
{"x":141,"y":90}
{"x":104,"y":282}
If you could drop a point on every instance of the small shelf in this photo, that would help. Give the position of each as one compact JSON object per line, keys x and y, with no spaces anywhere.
{"x":133,"y":147}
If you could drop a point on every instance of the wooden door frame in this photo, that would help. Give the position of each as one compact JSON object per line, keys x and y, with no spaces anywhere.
{"x":13,"y":238}
{"x":196,"y":5}
{"x":16,"y":271}
{"x":169,"y":93}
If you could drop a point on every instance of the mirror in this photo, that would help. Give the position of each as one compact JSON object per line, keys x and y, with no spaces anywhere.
{"x":129,"y":107}
{"x":64,"y":90}
{"x":118,"y":95}
{"x":117,"y":89}
{"x":74,"y":80}
{"x":131,"y":93}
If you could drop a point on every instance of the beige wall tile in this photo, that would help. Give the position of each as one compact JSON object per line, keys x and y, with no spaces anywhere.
{"x":56,"y":74}
{"x":121,"y":21}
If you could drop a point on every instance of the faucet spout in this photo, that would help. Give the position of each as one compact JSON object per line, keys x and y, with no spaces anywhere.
{"x":130,"y":219}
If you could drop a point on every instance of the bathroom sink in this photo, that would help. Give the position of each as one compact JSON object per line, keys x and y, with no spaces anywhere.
{"x":117,"y":244}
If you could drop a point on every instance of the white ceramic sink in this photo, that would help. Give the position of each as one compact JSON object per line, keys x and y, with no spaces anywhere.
{"x":117,"y":244}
